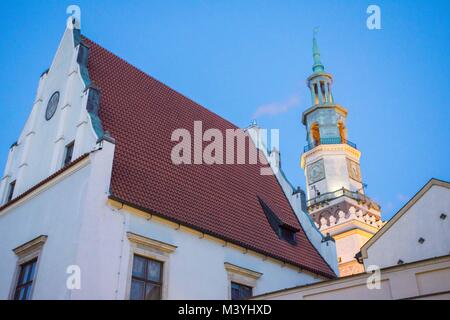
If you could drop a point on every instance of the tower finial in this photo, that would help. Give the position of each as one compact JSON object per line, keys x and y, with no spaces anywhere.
{"x":318,"y":66}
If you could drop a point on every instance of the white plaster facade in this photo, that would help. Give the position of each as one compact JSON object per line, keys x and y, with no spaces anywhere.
{"x":426,"y":216}
{"x":423,"y":280}
{"x":425,"y":269}
{"x":83,"y":228}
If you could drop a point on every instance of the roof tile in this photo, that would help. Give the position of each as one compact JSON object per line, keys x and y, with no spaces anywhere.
{"x":141,"y":113}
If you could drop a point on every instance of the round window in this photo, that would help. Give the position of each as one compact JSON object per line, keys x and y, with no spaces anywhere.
{"x":52,"y":105}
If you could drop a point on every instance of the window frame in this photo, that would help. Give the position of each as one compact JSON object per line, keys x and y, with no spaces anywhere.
{"x":288,"y":235}
{"x":150,"y":249}
{"x":10,"y":192}
{"x":27,"y":252}
{"x":145,"y":280}
{"x":29,"y":283}
{"x":241,"y":285}
{"x":241,"y":276}
{"x":69,"y":146}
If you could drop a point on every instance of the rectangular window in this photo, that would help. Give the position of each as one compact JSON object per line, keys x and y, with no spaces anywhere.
{"x":10,"y":195}
{"x":25,"y":280}
{"x":287,"y":235}
{"x":146,"y":279}
{"x":240,"y":292}
{"x":68,"y":153}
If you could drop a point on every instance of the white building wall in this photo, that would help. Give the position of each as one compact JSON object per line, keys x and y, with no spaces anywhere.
{"x":400,"y":241}
{"x":347,"y":246}
{"x":84,"y":230}
{"x":54,"y":212}
{"x":428,"y":279}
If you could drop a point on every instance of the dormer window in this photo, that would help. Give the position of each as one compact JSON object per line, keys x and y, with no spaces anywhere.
{"x":68,"y":153}
{"x":287,"y":235}
{"x":283,"y":231}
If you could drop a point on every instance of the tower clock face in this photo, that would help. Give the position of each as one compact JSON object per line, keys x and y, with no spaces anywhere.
{"x":353,"y":170}
{"x":52,"y":105}
{"x":316,"y":172}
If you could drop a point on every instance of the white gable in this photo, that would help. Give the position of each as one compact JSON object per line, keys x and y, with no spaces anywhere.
{"x":426,"y":217}
{"x":40,"y":148}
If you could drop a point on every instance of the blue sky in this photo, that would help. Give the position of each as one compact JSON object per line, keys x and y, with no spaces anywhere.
{"x":235,"y":57}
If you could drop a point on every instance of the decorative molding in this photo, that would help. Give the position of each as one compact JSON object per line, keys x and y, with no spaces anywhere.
{"x":25,"y":253}
{"x":82,"y":122}
{"x":118,"y":204}
{"x":61,"y":138}
{"x":151,"y":243}
{"x":32,"y":245}
{"x":338,"y":107}
{"x":30,"y":133}
{"x":152,"y":249}
{"x":73,"y":71}
{"x":241,"y":275}
{"x":329,"y":147}
{"x":23,"y":165}
{"x":231,"y":268}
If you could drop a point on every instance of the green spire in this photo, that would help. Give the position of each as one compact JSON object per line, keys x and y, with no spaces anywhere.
{"x":318,"y":66}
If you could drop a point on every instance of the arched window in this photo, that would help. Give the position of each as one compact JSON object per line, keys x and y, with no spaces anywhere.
{"x":315,"y":134}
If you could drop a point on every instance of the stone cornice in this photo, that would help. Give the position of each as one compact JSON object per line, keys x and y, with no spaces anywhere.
{"x":329,"y":148}
{"x":32,"y":245}
{"x":152,"y":243}
{"x":231,"y":268}
{"x":340,"y":109}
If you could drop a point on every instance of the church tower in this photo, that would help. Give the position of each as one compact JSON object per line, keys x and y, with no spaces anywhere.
{"x":335,"y":190}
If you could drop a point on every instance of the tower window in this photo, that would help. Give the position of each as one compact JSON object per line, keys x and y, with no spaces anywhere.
{"x":316,"y":93}
{"x":315,"y":134}
{"x":322,"y":89}
{"x":12,"y":186}
{"x":68,"y":153}
{"x":330,"y":98}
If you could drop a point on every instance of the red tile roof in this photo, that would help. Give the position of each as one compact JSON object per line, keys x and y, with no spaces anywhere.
{"x":221,"y":200}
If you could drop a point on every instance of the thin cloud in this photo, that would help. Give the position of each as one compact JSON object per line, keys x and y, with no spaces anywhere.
{"x":275,"y":108}
{"x":401,"y":197}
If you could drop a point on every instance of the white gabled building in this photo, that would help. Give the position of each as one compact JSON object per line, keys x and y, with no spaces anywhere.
{"x":91,"y":206}
{"x":419,"y":231}
{"x":410,"y":256}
